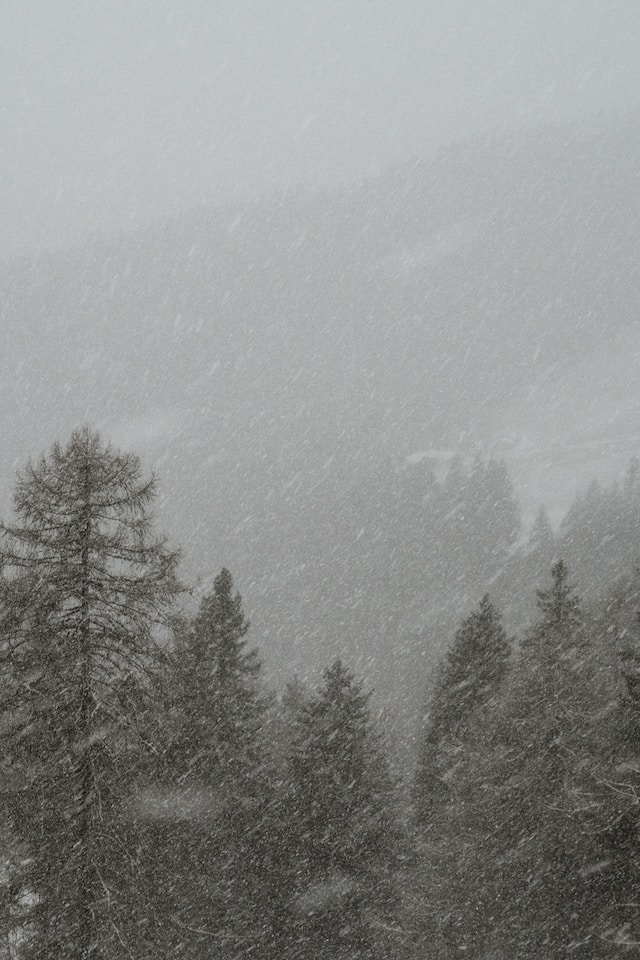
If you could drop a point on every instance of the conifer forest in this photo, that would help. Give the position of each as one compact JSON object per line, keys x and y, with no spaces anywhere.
{"x":319,"y":480}
{"x":160,"y":800}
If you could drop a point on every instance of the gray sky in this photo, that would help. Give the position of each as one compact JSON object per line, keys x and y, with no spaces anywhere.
{"x":113,"y":112}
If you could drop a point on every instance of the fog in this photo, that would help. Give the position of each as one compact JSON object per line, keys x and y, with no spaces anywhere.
{"x":358,"y":283}
{"x":295,"y":255}
{"x":114,"y":114}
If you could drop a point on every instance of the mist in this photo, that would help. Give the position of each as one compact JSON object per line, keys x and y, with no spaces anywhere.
{"x":115,"y":114}
{"x":357,"y":284}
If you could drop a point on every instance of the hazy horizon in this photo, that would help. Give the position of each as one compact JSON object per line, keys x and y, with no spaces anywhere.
{"x":115,"y":115}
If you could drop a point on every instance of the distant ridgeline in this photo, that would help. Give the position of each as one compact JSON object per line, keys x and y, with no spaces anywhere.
{"x":276,"y":361}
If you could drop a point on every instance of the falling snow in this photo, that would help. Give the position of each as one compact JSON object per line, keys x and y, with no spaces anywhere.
{"x":357,"y":673}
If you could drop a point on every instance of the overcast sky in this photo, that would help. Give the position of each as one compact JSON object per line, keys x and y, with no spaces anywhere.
{"x":114,"y":112}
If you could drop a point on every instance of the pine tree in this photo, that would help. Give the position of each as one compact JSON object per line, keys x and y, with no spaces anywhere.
{"x":472,"y":672}
{"x":345,"y":839}
{"x":85,"y":588}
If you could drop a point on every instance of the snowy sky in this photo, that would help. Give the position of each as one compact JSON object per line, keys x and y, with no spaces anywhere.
{"x":114,"y":112}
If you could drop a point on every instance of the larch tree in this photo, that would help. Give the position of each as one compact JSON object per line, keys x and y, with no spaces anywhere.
{"x":86,"y":588}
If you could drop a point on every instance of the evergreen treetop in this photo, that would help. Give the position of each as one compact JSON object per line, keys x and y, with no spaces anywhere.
{"x":85,"y":588}
{"x":218,"y":706}
{"x":474,"y":666}
{"x":341,"y":785}
{"x":472,"y":672}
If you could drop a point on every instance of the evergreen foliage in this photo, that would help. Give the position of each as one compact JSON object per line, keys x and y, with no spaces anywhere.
{"x":219,"y":706}
{"x":513,"y":835}
{"x":345,"y":839}
{"x":154,"y":804}
{"x":600,"y":535}
{"x":472,"y":672}
{"x":541,"y":736}
{"x":606,"y":792}
{"x":216,"y":846}
{"x":85,"y":588}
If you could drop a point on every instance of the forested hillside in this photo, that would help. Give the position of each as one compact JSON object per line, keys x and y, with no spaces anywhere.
{"x":161,"y":799}
{"x":296,"y":368}
{"x":319,"y":480}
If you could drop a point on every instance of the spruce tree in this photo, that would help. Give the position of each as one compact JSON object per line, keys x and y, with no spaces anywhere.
{"x":472,"y":672}
{"x":85,"y":588}
{"x":345,"y":839}
{"x":236,"y":703}
{"x":521,"y":849}
{"x":216,"y":848}
{"x":606,"y":794}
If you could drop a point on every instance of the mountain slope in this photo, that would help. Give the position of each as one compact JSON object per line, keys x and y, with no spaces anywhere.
{"x":278,"y":362}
